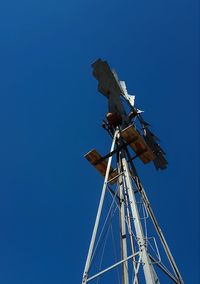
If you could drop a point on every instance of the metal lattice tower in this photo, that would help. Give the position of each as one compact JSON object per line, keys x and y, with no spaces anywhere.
{"x":137,"y":253}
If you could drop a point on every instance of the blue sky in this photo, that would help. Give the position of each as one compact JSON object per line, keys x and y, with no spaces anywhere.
{"x":51,"y":113}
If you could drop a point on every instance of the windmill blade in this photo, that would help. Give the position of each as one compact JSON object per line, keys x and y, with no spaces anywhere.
{"x":160,"y":162}
{"x":152,"y":134}
{"x":142,"y":121}
{"x":151,"y":139}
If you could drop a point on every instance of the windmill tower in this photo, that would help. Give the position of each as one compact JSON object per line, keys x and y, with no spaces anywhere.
{"x":141,"y":251}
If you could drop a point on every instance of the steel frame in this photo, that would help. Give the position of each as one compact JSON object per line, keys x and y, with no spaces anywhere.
{"x":128,"y":207}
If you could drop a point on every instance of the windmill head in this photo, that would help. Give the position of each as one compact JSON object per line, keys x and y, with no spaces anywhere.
{"x":115,"y":91}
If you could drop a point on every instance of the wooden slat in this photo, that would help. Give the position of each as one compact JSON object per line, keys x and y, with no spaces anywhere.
{"x":138,"y":144}
{"x":94,"y":157}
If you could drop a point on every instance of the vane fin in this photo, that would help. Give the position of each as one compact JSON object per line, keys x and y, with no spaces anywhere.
{"x":125,"y":94}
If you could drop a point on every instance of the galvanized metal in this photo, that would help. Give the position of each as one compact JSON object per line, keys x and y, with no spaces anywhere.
{"x":91,"y":247}
{"x":111,"y":267}
{"x":147,"y":267}
{"x":123,"y":236}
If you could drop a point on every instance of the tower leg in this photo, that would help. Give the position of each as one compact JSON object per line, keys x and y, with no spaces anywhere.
{"x":131,"y":236}
{"x":161,"y":236}
{"x":155,"y":223}
{"x":123,"y":237}
{"x":147,"y":267}
{"x":94,"y":233}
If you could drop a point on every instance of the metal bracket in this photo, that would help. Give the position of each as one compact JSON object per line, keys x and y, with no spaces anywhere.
{"x":123,"y":146}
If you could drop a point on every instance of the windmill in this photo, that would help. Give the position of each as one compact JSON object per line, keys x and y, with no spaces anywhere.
{"x":139,"y":256}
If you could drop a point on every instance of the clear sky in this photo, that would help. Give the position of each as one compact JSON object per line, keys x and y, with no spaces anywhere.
{"x":51,"y":113}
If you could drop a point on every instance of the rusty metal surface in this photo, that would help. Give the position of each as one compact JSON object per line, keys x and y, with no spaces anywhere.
{"x":94,"y":157}
{"x":139,"y":145}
